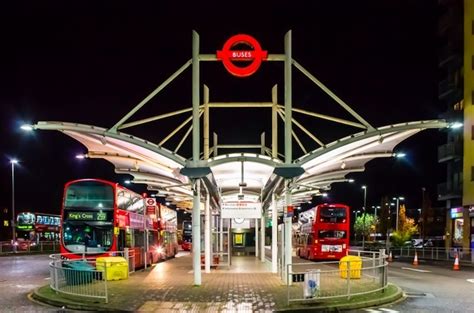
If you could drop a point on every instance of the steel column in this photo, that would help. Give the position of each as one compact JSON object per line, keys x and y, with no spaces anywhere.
{"x":274,"y":235}
{"x":196,"y":150}
{"x":207,"y":236}
{"x":256,"y":238}
{"x":288,"y":152}
{"x":262,"y":238}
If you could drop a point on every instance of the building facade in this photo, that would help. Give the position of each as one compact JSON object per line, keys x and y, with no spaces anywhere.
{"x":456,"y":91}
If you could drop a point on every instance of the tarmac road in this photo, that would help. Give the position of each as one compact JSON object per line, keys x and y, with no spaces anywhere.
{"x":431,"y":288}
{"x":19,"y":275}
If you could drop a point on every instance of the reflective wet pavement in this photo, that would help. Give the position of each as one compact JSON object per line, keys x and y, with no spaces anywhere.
{"x":246,"y":287}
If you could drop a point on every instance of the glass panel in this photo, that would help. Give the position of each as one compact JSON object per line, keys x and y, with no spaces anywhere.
{"x":87,"y":238}
{"x":458,"y":231}
{"x":332,"y":234}
{"x":332,"y":215}
{"x":89,"y":194}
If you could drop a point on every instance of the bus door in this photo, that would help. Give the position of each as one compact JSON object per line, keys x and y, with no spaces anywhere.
{"x":121,"y":240}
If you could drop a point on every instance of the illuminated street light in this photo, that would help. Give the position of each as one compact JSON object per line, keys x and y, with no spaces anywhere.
{"x":455,"y":125}
{"x":324,"y":194}
{"x":127,"y":182}
{"x":80,"y":156}
{"x":27,"y":127}
{"x":399,"y":155}
{"x":350,"y":180}
{"x":397,"y":209}
{"x":13,"y":162}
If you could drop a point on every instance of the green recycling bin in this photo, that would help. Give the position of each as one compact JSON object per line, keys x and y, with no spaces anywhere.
{"x":78,"y":272}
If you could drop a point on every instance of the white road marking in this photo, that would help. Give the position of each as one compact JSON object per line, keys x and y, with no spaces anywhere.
{"x":415,"y":270}
{"x":372,"y":311}
{"x":389,"y":310}
{"x":47,"y":278}
{"x":470,"y":280}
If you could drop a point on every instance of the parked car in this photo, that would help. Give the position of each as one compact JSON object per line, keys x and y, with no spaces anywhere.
{"x":418,"y":243}
{"x":186,"y":245}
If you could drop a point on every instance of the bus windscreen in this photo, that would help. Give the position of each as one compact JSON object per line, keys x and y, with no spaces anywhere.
{"x":339,"y":234}
{"x":89,"y":194}
{"x":332,"y":215}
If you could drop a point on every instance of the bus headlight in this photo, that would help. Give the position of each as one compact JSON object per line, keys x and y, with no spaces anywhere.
{"x":160,"y":250}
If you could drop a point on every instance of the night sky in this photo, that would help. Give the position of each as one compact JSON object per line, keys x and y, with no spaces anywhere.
{"x":92,"y":63}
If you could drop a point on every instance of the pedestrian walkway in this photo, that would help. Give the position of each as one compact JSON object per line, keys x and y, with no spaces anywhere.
{"x":247,"y":286}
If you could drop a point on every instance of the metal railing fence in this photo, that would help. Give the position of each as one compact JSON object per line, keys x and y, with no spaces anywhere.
{"x":25,"y":247}
{"x":362,"y":273}
{"x":80,"y":277}
{"x":435,"y":253}
{"x":84,"y":281}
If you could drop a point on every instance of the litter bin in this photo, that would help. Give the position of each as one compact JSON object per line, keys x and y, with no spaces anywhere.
{"x":78,"y":272}
{"x":354,"y":263}
{"x":116,"y":267}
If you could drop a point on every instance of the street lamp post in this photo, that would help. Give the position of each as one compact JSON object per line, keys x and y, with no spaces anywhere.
{"x":397,"y":209}
{"x":13,"y":162}
{"x":363,"y":217}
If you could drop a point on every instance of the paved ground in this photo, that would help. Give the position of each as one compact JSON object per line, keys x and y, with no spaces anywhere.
{"x":168,"y":287}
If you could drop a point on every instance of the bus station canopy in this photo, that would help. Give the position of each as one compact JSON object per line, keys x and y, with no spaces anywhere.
{"x":233,"y":175}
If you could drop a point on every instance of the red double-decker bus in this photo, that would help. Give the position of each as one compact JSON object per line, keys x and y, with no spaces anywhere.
{"x":100,"y":217}
{"x":325,"y":235}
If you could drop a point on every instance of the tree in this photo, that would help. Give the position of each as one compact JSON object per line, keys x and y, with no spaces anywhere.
{"x":363,"y":226}
{"x":406,"y":228}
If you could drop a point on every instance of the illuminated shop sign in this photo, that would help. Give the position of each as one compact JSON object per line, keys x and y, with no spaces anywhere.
{"x":47,"y":220}
{"x":253,"y":57}
{"x":24,"y":227}
{"x":456,"y":213}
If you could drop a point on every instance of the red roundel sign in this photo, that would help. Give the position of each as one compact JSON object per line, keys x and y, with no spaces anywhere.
{"x":229,"y":56}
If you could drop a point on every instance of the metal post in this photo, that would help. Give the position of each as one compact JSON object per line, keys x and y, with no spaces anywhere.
{"x":196,"y":151}
{"x":229,"y":240}
{"x":363,"y":217}
{"x":145,"y":252}
{"x":274,"y":235}
{"x":214,"y":143}
{"x":207,"y":236}
{"x":396,"y":226}
{"x":13,"y":206}
{"x":274,"y":122}
{"x":206,"y":122}
{"x":197,"y":233}
{"x":288,"y":147}
{"x":262,"y":238}
{"x":145,"y":239}
{"x":256,"y":237}
{"x":221,"y":235}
